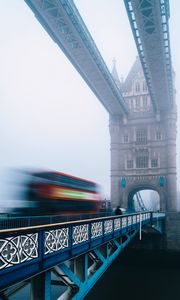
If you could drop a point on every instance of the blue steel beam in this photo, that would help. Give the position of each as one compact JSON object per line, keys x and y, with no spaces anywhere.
{"x":149,"y":24}
{"x":25,"y":252}
{"x":140,"y":201}
{"x":84,"y":286}
{"x":64,"y":24}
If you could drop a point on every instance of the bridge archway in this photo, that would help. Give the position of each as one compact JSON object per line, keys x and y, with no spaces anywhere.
{"x":130,"y":193}
{"x":144,"y":199}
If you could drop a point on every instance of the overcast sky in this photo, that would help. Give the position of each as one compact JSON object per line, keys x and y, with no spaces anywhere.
{"x":49,"y":116}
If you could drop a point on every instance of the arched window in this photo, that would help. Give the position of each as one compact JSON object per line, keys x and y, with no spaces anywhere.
{"x":132,"y":104}
{"x":144,"y":86}
{"x":138,"y":102}
{"x":158,"y":135}
{"x":145,"y":101}
{"x":137,"y":87}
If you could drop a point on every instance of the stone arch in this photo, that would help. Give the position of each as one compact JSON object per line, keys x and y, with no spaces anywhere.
{"x":131,"y":190}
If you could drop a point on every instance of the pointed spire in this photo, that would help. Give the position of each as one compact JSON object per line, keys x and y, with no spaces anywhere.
{"x":115,"y":74}
{"x":135,"y":69}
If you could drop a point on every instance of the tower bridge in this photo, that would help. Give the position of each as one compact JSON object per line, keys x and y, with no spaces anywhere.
{"x":142,"y":109}
{"x":143,"y":153}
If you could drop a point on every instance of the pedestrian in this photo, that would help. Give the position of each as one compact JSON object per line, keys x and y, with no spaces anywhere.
{"x":118,"y":211}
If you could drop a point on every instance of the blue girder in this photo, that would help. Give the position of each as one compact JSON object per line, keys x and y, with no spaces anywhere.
{"x":64,"y":24}
{"x":149,"y":24}
{"x":140,"y":201}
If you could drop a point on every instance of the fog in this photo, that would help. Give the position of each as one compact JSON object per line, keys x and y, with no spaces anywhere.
{"x":50,"y":119}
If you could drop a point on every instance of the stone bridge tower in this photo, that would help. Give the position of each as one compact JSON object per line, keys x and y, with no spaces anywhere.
{"x":143,"y":146}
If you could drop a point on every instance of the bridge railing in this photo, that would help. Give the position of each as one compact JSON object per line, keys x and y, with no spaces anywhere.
{"x":27,"y":251}
{"x":8,"y":221}
{"x":158,"y":215}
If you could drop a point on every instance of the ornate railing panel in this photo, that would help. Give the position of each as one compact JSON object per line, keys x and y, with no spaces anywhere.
{"x":56,"y":240}
{"x":117,"y":224}
{"x":96,"y":229}
{"x":129,"y":220}
{"x":80,"y":234}
{"x":134,"y":219}
{"x":124,"y":222}
{"x":18,"y":249}
{"x":108,"y":226}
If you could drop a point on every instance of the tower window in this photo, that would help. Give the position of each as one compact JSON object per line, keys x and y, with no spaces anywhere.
{"x":126,"y":138}
{"x":137,"y":102}
{"x":158,"y":135}
{"x":141,"y":136}
{"x":145,"y":102}
{"x":137,"y":87}
{"x":132,"y":104}
{"x":142,"y":162}
{"x":154,"y":163}
{"x":129,"y":164}
{"x":144,"y":86}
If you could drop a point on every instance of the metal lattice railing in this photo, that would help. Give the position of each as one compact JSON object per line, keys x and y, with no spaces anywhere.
{"x":33,"y":249}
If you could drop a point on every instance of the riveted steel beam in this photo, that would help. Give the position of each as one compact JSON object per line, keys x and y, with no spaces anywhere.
{"x":64,"y":24}
{"x":149,"y":24}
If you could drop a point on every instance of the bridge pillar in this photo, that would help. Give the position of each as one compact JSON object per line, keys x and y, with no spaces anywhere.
{"x":41,"y":286}
{"x":171,"y":131}
{"x":173,"y":231}
{"x":171,"y":193}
